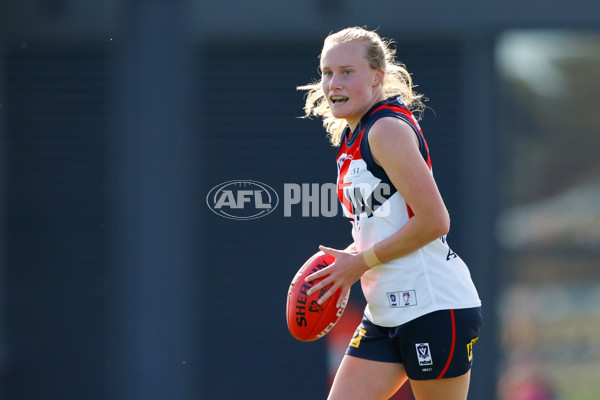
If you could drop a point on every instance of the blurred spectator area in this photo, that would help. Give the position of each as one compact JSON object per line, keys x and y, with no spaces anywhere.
{"x":549,"y":227}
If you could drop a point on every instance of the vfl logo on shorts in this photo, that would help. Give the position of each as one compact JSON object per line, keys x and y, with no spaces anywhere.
{"x":424,"y":354}
{"x":403,"y":298}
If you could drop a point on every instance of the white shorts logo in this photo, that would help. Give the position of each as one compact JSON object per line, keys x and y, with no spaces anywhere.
{"x":424,"y":354}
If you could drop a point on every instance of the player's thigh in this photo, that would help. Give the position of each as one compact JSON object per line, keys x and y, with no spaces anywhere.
{"x":362,"y":379}
{"x":438,"y":389}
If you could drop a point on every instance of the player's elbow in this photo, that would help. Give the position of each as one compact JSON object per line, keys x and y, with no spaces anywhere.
{"x":434,"y":224}
{"x":440,"y":225}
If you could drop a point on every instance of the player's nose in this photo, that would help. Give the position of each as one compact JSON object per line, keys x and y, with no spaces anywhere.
{"x":334,"y":82}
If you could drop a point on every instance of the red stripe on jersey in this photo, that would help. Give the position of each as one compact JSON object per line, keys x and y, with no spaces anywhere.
{"x":398,"y":109}
{"x":451,"y":348}
{"x":410,"y":116}
{"x":341,"y":185}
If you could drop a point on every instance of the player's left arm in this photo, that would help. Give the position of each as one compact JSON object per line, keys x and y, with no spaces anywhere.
{"x":395,"y":148}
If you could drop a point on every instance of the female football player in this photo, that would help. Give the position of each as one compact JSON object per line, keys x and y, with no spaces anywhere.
{"x":423,"y":311}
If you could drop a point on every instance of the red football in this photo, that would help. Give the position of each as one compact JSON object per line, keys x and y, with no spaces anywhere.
{"x":306,"y":319}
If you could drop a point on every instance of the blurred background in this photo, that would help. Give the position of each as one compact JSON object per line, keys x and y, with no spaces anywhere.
{"x":118,"y":117}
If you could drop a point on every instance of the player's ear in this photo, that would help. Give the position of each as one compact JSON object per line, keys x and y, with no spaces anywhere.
{"x":378,"y":77}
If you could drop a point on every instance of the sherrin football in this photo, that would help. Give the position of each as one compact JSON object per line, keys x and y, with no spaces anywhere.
{"x":306,"y":319}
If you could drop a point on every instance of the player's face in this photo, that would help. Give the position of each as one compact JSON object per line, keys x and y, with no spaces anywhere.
{"x":350,"y":85}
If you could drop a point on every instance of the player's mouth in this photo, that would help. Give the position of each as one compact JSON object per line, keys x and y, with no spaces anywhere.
{"x":338,"y":100}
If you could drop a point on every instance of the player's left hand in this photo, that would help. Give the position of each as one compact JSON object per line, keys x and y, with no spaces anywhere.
{"x":347,"y":268}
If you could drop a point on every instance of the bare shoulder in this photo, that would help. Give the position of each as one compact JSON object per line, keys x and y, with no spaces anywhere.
{"x":391,"y":134}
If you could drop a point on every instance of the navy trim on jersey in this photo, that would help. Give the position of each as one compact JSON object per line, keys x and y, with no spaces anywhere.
{"x":365,"y":149}
{"x":367,"y":156}
{"x":350,"y":137}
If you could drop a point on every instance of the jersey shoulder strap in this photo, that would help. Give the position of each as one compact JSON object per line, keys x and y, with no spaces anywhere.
{"x":393,"y":109}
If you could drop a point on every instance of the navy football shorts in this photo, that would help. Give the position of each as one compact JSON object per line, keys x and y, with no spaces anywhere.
{"x":436,"y":345}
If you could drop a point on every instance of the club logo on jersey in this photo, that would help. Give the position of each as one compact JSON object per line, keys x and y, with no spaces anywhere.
{"x":403,"y":298}
{"x":242,"y":199}
{"x":424,"y":354}
{"x":341,"y":160}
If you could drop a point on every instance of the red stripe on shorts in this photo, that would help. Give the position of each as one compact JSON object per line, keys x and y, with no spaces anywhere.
{"x":451,"y":348}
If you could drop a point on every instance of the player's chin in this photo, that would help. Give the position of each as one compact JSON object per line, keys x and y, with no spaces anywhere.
{"x":338,"y":110}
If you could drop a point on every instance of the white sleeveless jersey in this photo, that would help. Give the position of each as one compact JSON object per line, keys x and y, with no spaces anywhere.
{"x":431,"y":278}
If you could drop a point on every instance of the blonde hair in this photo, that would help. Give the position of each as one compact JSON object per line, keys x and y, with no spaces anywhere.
{"x":396,"y":82}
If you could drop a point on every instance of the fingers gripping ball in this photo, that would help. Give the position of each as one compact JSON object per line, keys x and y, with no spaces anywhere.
{"x":306,"y":319}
